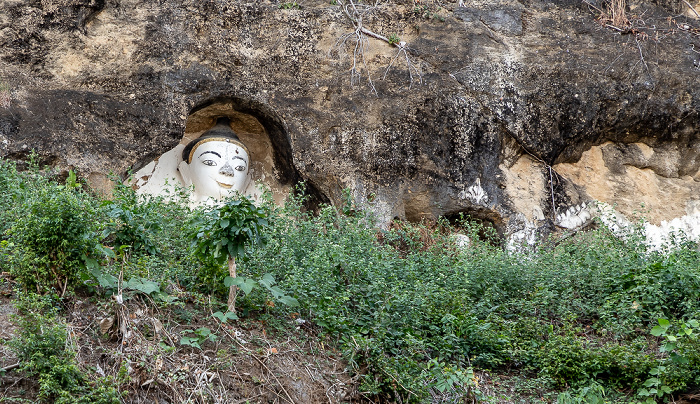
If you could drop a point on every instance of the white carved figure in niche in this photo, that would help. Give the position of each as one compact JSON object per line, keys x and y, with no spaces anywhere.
{"x":216,"y":163}
{"x":475,"y":193}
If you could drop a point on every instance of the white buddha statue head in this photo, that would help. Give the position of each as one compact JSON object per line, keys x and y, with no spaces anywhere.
{"x":216,"y":163}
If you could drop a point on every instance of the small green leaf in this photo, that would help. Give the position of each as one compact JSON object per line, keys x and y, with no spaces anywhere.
{"x":203,"y":331}
{"x":246,"y":284}
{"x":225,"y":317}
{"x":91,"y":263}
{"x":108,"y":252}
{"x":651,"y":382}
{"x":142,"y":285}
{"x":664,"y":323}
{"x":657,"y":331}
{"x":193,"y":342}
{"x":289,"y":301}
{"x":268,"y":280}
{"x":675,"y":358}
{"x":276,"y":292}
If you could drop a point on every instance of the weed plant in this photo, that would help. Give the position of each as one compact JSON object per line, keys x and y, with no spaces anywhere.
{"x":45,"y":352}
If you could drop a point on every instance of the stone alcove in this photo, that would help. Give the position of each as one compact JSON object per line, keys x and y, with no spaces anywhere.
{"x":259,"y":128}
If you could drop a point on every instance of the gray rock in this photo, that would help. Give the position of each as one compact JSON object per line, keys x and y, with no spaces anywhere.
{"x":506,"y":90}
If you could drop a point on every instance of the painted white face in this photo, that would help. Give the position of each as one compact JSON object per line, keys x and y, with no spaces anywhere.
{"x":218,"y":170}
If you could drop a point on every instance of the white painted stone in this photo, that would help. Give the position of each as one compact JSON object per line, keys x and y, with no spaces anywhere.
{"x":574,"y":217}
{"x":475,"y":194}
{"x":461,"y":240}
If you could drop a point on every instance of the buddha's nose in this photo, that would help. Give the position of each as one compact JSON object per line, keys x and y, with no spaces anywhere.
{"x":227,"y":170}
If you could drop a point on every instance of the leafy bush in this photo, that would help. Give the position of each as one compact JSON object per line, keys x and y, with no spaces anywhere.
{"x":44,"y":351}
{"x":400,"y":299}
{"x":226,"y":230}
{"x":391,"y":313}
{"x":132,"y":220}
{"x":58,"y":230}
{"x":150,"y":225}
{"x":222,"y":234}
{"x":11,"y":190}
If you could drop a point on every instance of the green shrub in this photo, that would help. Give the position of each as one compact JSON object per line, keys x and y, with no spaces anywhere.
{"x":58,"y":230}
{"x":398,"y":299}
{"x":133,"y":221}
{"x":11,"y":190}
{"x":44,"y":352}
{"x":392,"y":310}
{"x":222,"y":234}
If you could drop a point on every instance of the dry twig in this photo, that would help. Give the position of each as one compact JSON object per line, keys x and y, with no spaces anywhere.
{"x":356,"y":13}
{"x":691,"y":8}
{"x":9,"y":367}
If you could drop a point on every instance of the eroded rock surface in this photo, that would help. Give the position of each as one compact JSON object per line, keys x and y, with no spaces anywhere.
{"x":511,"y":111}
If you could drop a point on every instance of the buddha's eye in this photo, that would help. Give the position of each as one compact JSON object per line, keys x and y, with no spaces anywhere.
{"x":209,"y":162}
{"x":240,"y":168}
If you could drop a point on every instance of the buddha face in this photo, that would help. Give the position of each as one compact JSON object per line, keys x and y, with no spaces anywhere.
{"x":218,"y":169}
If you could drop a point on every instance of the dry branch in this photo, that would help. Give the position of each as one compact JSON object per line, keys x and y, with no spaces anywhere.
{"x":691,"y":8}
{"x":9,"y":367}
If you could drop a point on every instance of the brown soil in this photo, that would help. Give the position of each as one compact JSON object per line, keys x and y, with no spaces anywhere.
{"x":249,"y":360}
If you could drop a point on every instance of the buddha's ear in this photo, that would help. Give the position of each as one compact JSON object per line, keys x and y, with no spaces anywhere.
{"x":184,"y":169}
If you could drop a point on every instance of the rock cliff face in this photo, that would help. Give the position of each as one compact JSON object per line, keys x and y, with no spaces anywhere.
{"x":509,"y":111}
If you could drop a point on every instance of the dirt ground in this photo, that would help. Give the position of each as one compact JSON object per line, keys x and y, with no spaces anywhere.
{"x":137,"y":344}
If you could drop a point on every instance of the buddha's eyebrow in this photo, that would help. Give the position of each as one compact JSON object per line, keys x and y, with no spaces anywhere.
{"x":236,"y":157}
{"x":212,"y":152}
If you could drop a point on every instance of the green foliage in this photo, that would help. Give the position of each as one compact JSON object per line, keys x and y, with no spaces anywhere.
{"x":456,"y":382}
{"x":57,"y":231}
{"x":376,"y":301}
{"x":289,"y":5}
{"x":673,"y":348}
{"x":132,"y":222}
{"x":200,"y":336}
{"x":152,"y":226}
{"x":591,"y":394}
{"x":411,"y":311}
{"x":268,"y":282}
{"x":393,"y":39}
{"x":224,"y":317}
{"x":224,"y":231}
{"x":12,"y":190}
{"x":43,"y":348}
{"x":428,"y":13}
{"x":397,"y":302}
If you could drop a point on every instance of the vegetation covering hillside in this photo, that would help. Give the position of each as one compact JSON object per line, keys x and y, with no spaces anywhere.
{"x":408,"y":314}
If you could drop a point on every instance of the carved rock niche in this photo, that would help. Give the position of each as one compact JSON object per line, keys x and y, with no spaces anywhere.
{"x":162,"y":177}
